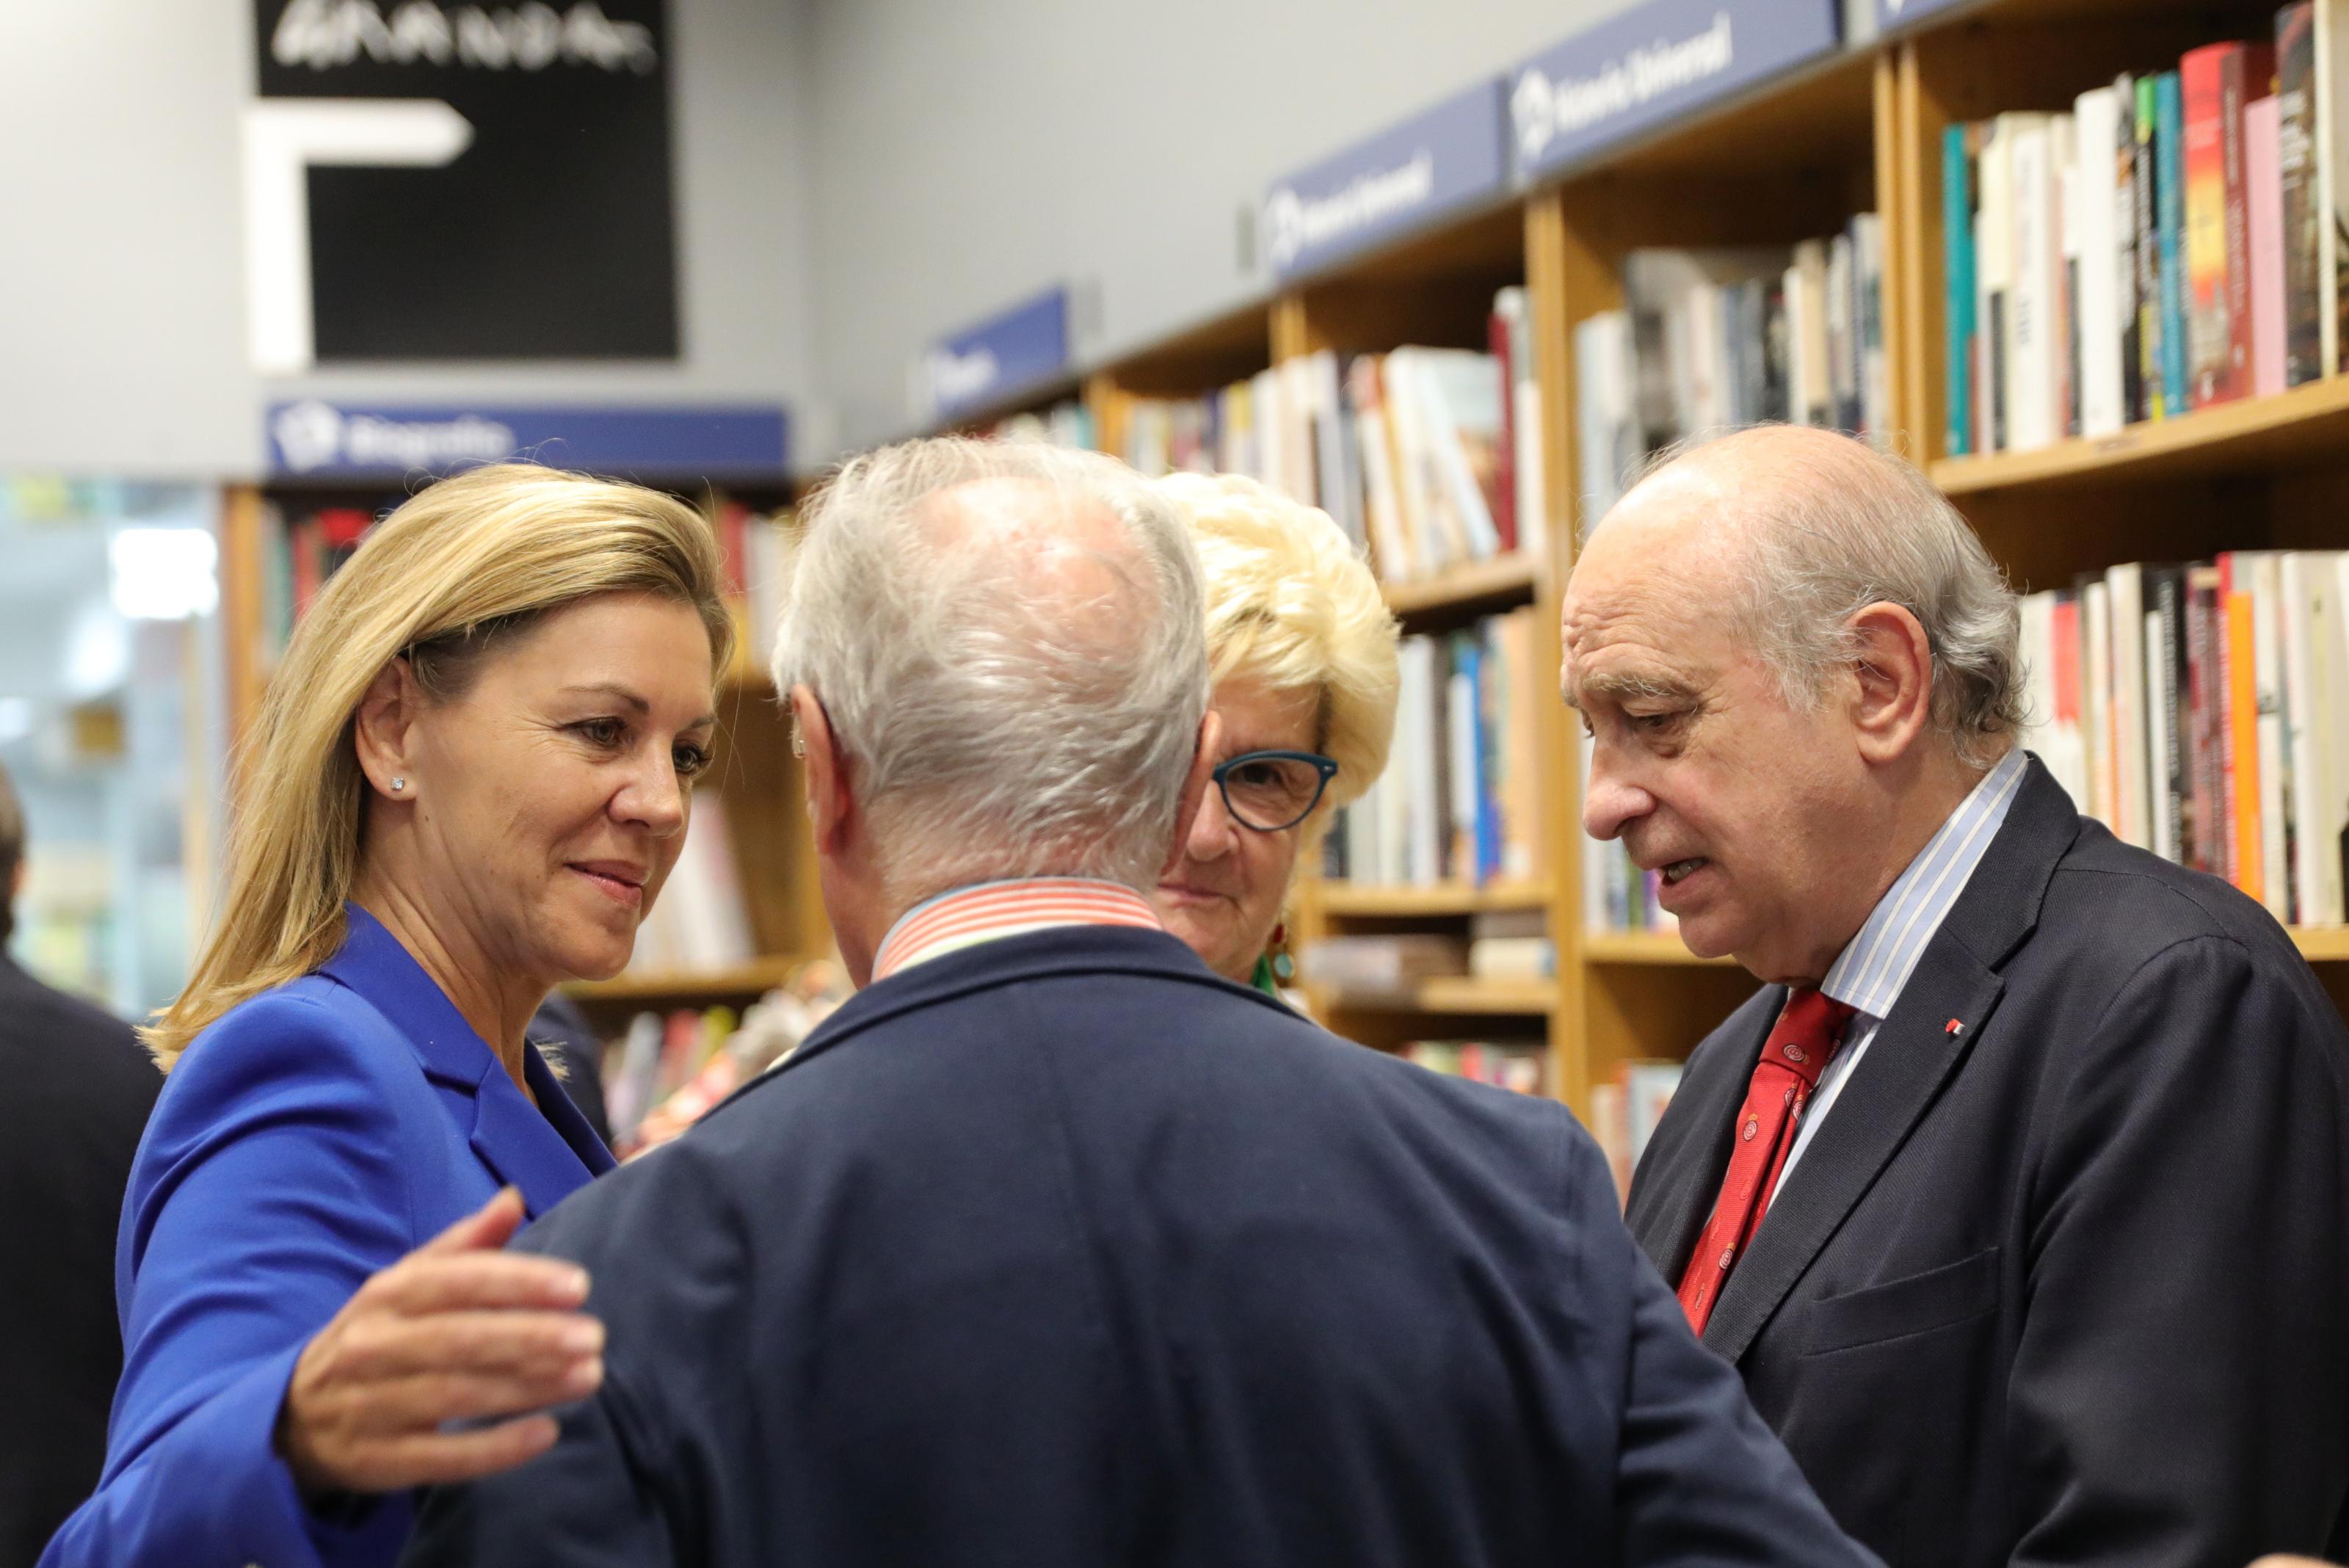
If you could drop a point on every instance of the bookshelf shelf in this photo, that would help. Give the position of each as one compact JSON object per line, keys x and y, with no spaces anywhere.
{"x":750,"y":980}
{"x":1645,"y":948}
{"x":1497,"y":584}
{"x":2323,"y":944}
{"x":1458,"y":994}
{"x":1347,"y":898}
{"x":2305,"y":427}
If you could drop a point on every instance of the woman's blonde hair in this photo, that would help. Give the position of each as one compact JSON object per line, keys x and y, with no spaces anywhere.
{"x":449,"y":576}
{"x":1292,"y":604}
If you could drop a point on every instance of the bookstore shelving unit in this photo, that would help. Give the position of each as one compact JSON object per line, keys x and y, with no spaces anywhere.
{"x":1794,"y":159}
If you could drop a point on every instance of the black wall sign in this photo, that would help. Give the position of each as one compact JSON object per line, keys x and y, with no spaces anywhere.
{"x":548,"y":234}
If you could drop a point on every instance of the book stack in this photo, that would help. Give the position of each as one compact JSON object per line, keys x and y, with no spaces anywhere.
{"x":305,"y":547}
{"x":1458,"y":801}
{"x":1380,"y":967}
{"x":1624,"y":1114}
{"x":700,"y":922}
{"x":2172,"y":242}
{"x":2203,"y":711}
{"x":1521,"y":1065}
{"x":1712,"y":339}
{"x":1511,"y":945}
{"x":1427,"y":457}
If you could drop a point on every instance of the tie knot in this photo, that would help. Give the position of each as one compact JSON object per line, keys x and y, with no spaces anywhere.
{"x":1807,"y":1032}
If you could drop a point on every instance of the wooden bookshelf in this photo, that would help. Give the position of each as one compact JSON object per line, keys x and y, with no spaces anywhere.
{"x":743,"y":981}
{"x":1643,"y":948}
{"x":1359,"y":900}
{"x":2307,"y":427}
{"x":1472,"y":587}
{"x":2323,"y":944}
{"x":1459,"y":995}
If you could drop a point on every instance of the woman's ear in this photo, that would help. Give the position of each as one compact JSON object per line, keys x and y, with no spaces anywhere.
{"x":384,"y":730}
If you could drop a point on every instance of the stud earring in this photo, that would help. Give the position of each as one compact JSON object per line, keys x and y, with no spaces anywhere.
{"x":398,"y":784}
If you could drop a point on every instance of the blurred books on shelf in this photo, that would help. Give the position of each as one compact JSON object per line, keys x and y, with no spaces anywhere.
{"x":1624,"y":1112}
{"x":1458,"y":801}
{"x":666,"y":1073}
{"x":302,"y":549}
{"x":699,"y":921}
{"x":1066,"y":423}
{"x":1520,"y":1065}
{"x":1384,"y":966}
{"x":1511,"y":945}
{"x":1427,"y":457}
{"x":2171,"y":242}
{"x":1709,"y":339}
{"x":2203,"y":711}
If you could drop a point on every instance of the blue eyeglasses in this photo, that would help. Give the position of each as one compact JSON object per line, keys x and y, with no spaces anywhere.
{"x":1269,"y":790}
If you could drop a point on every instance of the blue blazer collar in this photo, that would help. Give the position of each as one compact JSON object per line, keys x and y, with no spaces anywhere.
{"x":547,"y":1150}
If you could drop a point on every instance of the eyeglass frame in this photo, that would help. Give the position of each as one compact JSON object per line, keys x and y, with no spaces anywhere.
{"x":1326,"y":767}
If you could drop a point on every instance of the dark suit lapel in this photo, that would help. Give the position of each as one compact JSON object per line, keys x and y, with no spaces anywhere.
{"x":1913,"y":1054}
{"x":1680,"y":1174}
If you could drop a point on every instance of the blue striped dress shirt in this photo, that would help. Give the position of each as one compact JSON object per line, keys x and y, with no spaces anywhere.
{"x":1867,"y":975}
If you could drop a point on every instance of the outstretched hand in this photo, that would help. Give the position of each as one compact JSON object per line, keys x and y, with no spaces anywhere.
{"x":458,"y":1331}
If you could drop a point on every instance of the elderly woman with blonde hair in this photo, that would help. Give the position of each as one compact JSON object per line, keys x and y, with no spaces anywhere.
{"x":469,"y":778}
{"x":1301,"y":651}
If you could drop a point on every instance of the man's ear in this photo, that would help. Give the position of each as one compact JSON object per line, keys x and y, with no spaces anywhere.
{"x":1892,"y":693}
{"x":384,"y":730}
{"x":1195,"y":784}
{"x":829,"y":805}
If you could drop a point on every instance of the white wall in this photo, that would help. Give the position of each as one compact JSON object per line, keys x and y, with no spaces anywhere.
{"x":121,"y":308}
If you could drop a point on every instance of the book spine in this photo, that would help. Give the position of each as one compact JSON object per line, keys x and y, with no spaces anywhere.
{"x":2151,"y":405}
{"x":1957,"y":282}
{"x":2245,"y":860}
{"x":2034,"y":416}
{"x":2263,"y":218}
{"x":2096,"y":319}
{"x":2177,"y":382}
{"x":2168,"y":652}
{"x":2296,"y":166}
{"x":2201,"y":92}
{"x":2251,"y":68}
{"x":2123,"y":153}
{"x":1505,"y":457}
{"x":2332,"y":78}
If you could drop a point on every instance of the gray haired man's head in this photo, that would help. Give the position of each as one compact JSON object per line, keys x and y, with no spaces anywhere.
{"x":1825,"y":526}
{"x":1009,"y":643}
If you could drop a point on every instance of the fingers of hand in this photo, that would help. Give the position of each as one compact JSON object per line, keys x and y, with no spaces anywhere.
{"x":458,"y":1281}
{"x":498,"y":1344}
{"x":427,"y":1458}
{"x":399,"y":1408}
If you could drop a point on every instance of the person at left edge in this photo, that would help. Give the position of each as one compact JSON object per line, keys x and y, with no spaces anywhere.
{"x":468,"y":780}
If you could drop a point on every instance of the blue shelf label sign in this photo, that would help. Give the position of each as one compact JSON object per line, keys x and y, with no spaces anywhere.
{"x":1652,"y":65}
{"x":314,"y":439}
{"x":999,"y":357}
{"x":1400,"y":178}
{"x":1896,"y":13}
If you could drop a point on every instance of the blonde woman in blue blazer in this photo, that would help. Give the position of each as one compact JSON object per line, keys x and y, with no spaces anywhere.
{"x":469,"y":778}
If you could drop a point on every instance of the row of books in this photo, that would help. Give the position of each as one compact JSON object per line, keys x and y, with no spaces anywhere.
{"x":1522,"y":1065}
{"x":2203,"y":711}
{"x":301,"y":548}
{"x":1066,"y":423}
{"x":1458,"y":801}
{"x":1709,"y":339}
{"x":666,"y":1073}
{"x":1624,"y":1112}
{"x":2172,"y":242}
{"x":1428,"y":457}
{"x":1501,"y":945}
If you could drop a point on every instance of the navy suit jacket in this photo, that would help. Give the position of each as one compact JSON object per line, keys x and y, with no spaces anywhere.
{"x":315,"y":1134}
{"x":2070,"y":1283}
{"x":1061,"y":1250}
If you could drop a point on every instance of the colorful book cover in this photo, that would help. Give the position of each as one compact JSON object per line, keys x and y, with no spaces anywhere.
{"x":2264,"y":216}
{"x":2125,"y":226}
{"x":1958,"y":208}
{"x":2152,"y":404}
{"x":2296,"y":166}
{"x":2215,"y":84}
{"x":2170,"y":148}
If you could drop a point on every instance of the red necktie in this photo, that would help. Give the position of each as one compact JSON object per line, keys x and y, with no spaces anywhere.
{"x":1807,"y":1035}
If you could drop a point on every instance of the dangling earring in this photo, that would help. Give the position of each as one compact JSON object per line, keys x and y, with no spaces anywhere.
{"x":1284,"y":966}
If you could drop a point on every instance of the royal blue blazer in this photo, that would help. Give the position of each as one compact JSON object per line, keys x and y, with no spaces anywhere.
{"x":313,"y":1135}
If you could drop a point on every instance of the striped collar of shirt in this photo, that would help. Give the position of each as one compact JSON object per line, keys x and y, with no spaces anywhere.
{"x":1868,"y":973}
{"x":989,"y":911}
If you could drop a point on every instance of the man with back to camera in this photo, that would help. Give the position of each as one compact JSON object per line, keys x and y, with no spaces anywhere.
{"x":2017,"y":1195}
{"x":1050,"y":1247}
{"x":75,"y":1091}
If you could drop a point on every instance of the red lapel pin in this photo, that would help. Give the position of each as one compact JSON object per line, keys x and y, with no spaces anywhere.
{"x":1955,"y":1028}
